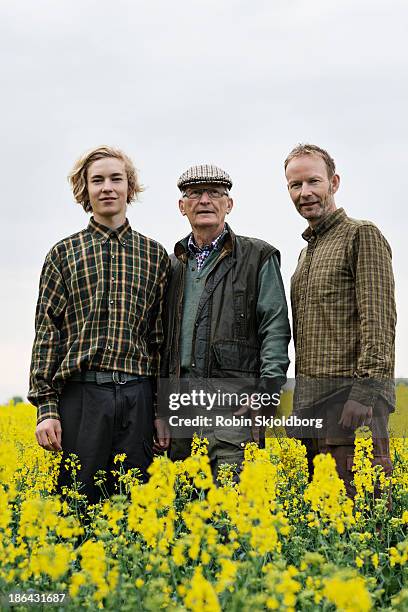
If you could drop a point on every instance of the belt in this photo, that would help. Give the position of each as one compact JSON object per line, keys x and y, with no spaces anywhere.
{"x":102,"y":378}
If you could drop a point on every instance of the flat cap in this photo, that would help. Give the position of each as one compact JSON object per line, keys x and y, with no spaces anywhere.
{"x":204,"y":173}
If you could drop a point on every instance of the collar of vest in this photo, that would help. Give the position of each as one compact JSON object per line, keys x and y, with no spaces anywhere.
{"x":181,"y":247}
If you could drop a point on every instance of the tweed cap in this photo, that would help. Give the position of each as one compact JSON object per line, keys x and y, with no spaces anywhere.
{"x":204,"y":173}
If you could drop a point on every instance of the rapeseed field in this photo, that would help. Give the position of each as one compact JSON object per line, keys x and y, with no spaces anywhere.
{"x":272,"y":542}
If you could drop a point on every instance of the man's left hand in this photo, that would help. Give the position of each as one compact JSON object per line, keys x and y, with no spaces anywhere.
{"x":355,"y":414}
{"x":257,"y":431}
{"x":161,"y":440}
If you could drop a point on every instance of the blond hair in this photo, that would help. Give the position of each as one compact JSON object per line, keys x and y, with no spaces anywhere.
{"x":78,"y":174}
{"x":310,"y":149}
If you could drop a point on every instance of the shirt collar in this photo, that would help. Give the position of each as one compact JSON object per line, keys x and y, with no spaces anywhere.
{"x":103,"y":233}
{"x":327,"y":223}
{"x":227,"y":243}
{"x":194,"y":249}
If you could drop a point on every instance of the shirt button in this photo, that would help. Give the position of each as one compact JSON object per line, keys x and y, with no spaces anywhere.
{"x":124,"y":243}
{"x":113,"y":279}
{"x":111,"y":302}
{"x":109,"y":347}
{"x":193,"y":269}
{"x":193,"y":365}
{"x":113,"y":257}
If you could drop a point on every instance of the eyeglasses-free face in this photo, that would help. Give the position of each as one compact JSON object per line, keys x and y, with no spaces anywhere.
{"x":107,"y":185}
{"x":310,"y":188}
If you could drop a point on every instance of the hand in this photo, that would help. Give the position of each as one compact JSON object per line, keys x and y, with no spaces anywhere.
{"x":258,"y":432}
{"x":161,"y":440}
{"x":355,"y":414}
{"x":242,"y":410}
{"x":246,"y":408}
{"x":48,"y":434}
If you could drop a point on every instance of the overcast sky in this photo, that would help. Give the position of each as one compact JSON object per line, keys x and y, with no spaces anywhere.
{"x":237,"y":83}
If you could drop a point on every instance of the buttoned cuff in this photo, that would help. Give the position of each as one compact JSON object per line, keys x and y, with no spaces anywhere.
{"x":47,"y":411}
{"x":268,"y":384}
{"x":272,"y":387}
{"x":365,"y":391}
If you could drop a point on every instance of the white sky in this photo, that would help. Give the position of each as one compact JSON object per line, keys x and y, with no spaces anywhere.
{"x":237,"y":83}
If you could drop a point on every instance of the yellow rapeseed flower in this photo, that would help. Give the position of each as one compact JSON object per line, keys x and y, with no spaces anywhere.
{"x":327,"y":495}
{"x":349,"y":594}
{"x":201,"y":596}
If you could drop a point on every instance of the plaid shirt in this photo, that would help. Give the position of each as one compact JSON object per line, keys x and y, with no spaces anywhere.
{"x":344,"y":309}
{"x":202,"y":253}
{"x":99,"y":308}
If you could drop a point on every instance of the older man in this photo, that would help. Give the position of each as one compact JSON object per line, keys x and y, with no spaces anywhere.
{"x":99,"y":329}
{"x":343,"y":316}
{"x":226,"y":308}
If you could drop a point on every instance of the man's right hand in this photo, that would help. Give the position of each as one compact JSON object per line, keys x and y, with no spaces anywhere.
{"x":162,"y":437}
{"x":355,"y":414}
{"x":48,"y":434}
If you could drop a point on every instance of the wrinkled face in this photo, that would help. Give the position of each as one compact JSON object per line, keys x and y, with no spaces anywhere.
{"x":205,"y":205}
{"x":107,"y":187}
{"x":310,"y":188}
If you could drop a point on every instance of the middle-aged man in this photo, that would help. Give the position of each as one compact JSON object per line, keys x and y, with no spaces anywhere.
{"x":343,"y":316}
{"x":99,"y":329}
{"x":227,"y":313}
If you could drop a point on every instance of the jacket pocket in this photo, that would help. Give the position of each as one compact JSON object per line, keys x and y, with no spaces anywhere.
{"x":234,"y":356}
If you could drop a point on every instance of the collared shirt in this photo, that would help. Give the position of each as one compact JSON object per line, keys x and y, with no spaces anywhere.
{"x":99,"y":308}
{"x":344,"y":308}
{"x":202,"y":253}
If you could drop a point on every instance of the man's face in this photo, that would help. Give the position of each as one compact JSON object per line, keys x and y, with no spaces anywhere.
{"x":310,"y":188}
{"x":206,"y":209}
{"x":107,"y":187}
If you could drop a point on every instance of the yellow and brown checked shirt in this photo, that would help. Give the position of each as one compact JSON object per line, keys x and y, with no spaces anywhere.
{"x":99,"y":308}
{"x":343,"y":309}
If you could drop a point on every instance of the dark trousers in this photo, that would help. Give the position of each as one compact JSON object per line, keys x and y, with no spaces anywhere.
{"x":101,"y":421}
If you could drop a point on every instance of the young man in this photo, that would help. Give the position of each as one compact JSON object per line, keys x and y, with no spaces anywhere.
{"x":99,"y":329}
{"x":226,"y":308}
{"x":343,"y":316}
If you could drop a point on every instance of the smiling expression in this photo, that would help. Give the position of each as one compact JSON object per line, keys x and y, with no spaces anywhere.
{"x":310,"y":188}
{"x":107,"y":188}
